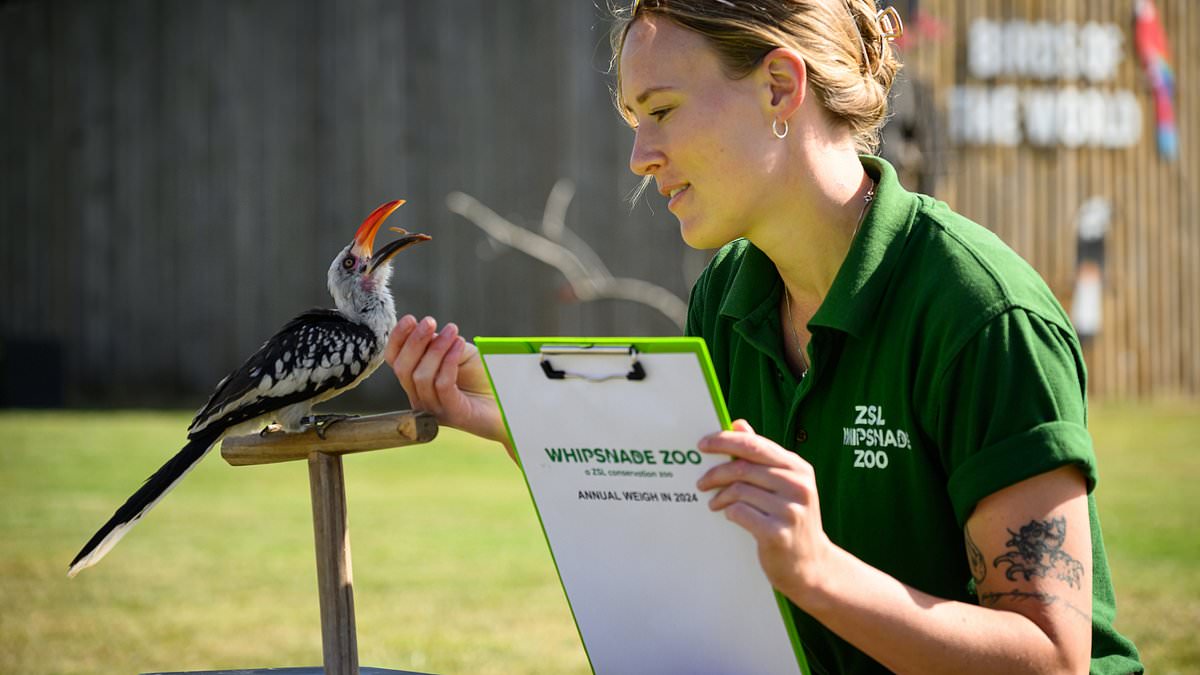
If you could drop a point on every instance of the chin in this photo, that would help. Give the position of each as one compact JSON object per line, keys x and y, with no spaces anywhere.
{"x":703,"y":238}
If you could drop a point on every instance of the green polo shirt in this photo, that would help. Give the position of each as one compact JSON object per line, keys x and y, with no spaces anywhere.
{"x":942,"y":370}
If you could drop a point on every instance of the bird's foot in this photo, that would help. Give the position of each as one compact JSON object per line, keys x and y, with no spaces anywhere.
{"x":321,"y":423}
{"x":270,"y":429}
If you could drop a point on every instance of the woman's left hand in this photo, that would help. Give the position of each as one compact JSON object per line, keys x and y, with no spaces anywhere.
{"x":772,"y":493}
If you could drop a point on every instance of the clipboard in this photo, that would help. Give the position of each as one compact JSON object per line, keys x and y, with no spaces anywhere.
{"x":605,"y":432}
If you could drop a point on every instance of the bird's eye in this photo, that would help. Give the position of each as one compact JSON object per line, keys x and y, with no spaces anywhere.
{"x":348,"y":263}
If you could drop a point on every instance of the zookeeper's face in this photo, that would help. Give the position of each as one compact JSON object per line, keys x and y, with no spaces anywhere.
{"x":704,"y":137}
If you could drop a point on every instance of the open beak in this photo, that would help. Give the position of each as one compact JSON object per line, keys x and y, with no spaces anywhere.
{"x":391,"y":248}
{"x":364,"y":239}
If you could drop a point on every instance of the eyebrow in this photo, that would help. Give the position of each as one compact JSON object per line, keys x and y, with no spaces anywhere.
{"x":641,"y":98}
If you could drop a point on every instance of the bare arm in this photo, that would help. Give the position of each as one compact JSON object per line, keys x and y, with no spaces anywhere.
{"x":1035,"y":589}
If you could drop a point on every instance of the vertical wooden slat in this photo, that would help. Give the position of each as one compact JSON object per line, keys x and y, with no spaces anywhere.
{"x":26,"y":209}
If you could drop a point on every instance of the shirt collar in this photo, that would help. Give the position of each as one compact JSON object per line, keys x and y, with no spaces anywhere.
{"x":863,"y":278}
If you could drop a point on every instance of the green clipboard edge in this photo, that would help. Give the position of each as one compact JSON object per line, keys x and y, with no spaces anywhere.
{"x":644,"y":345}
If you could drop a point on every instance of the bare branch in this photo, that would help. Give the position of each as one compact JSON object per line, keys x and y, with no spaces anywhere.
{"x":534,"y":245}
{"x":562,"y":249}
{"x":554,"y":225}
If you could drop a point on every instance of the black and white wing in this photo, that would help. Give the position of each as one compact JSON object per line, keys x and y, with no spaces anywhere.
{"x":315,"y":356}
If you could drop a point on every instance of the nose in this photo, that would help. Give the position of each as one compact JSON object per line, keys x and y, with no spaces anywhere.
{"x":646,"y":158}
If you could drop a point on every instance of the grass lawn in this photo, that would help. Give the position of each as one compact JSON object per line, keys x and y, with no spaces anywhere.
{"x":451,"y":572}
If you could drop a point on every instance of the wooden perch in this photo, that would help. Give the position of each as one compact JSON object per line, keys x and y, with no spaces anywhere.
{"x":356,"y":434}
{"x":327,"y":485}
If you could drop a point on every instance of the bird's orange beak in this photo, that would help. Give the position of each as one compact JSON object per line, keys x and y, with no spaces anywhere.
{"x":364,"y":239}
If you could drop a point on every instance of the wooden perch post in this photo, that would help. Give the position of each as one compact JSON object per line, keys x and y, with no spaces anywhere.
{"x":335,"y":579}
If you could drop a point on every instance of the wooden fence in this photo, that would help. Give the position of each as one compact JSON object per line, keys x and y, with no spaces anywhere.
{"x":1031,"y":195}
{"x":175,"y":177}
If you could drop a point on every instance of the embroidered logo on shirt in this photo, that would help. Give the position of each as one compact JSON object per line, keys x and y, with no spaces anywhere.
{"x":870,"y":438}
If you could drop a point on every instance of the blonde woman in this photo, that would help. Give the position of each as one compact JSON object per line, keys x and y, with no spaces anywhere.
{"x":912,"y":456}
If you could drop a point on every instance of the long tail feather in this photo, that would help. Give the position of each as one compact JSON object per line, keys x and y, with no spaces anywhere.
{"x":151,"y":492}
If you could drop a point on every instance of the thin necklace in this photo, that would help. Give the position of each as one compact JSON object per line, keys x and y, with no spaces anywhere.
{"x":787,"y":296}
{"x":787,"y":301}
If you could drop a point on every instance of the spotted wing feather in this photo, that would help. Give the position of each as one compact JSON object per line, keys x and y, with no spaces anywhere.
{"x":318,"y":352}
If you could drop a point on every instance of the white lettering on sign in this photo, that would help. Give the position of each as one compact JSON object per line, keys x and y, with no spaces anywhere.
{"x":1043,"y":50}
{"x":1071,"y":117}
{"x":1006,"y":114}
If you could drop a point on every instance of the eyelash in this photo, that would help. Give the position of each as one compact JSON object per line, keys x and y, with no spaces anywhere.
{"x":659,"y":114}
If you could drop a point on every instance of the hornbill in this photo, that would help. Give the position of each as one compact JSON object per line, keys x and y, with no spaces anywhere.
{"x":314,"y":357}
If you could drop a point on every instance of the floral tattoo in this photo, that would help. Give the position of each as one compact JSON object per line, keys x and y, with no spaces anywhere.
{"x":1036,"y":551}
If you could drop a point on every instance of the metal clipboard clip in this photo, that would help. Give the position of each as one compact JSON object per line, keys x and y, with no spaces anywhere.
{"x":636,"y":372}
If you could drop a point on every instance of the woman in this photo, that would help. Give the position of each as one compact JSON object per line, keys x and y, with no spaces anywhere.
{"x":912,"y":457}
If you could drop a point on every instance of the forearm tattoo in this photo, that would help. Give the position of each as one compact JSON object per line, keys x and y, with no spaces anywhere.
{"x":1036,"y":551}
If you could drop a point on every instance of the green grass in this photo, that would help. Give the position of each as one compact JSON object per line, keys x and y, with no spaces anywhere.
{"x":451,"y":571}
{"x":1149,"y":504}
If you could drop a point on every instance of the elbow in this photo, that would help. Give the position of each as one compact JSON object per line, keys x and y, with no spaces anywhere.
{"x":1072,"y":656}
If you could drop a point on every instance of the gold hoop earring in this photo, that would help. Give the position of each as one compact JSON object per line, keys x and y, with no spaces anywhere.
{"x":775,"y":129}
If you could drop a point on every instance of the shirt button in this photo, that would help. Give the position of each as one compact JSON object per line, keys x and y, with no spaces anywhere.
{"x":801,"y":436}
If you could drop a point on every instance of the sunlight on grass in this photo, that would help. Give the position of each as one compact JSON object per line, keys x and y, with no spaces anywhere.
{"x":1149,"y":466}
{"x":451,"y":571}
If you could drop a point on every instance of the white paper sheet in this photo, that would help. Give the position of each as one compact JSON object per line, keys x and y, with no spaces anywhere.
{"x":657,"y":582}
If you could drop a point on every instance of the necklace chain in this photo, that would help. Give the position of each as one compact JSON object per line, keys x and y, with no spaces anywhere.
{"x":787,"y":301}
{"x":787,"y":296}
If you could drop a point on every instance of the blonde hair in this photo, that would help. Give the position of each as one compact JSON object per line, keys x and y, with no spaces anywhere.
{"x":850,"y":64}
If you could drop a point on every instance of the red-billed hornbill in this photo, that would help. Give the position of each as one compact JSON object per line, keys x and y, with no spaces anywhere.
{"x":316,"y":356}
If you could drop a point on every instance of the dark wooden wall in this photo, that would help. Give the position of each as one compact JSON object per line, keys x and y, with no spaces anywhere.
{"x":176,"y":175}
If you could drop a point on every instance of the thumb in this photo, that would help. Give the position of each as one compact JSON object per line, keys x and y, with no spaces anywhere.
{"x":742,"y":425}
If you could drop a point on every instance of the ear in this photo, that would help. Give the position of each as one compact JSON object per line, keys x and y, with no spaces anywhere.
{"x":785,"y":77}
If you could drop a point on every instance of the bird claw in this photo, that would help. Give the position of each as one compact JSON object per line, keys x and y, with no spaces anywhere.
{"x":321,"y":423}
{"x":270,"y":429}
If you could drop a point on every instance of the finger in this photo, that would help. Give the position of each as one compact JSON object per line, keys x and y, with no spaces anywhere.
{"x":410,"y":355}
{"x":742,"y":425}
{"x":426,"y":372}
{"x":763,"y":500}
{"x":748,"y":446}
{"x":400,"y":333}
{"x":757,"y":523}
{"x":469,"y":352}
{"x":775,"y":479}
{"x":446,"y":380}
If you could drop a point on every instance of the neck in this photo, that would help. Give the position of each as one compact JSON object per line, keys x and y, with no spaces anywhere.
{"x":814,"y":219}
{"x":373,"y":308}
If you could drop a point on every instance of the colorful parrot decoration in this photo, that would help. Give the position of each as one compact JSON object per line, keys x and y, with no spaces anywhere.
{"x":1151,"y":41}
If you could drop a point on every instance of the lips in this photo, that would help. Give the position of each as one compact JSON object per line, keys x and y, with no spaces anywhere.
{"x":671,"y":189}
{"x":677,"y":192}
